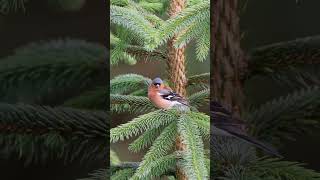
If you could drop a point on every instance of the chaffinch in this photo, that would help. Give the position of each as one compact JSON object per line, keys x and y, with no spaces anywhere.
{"x":225,"y":124}
{"x":163,"y":97}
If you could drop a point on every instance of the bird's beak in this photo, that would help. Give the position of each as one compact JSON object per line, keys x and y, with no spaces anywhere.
{"x":157,"y":85}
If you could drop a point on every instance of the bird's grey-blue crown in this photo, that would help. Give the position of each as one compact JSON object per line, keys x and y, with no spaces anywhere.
{"x":157,"y":81}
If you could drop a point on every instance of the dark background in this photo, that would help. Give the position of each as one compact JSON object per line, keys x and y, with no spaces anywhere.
{"x":44,"y":22}
{"x":269,"y":21}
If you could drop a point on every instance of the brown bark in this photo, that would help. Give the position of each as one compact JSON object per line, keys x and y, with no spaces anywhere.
{"x":228,"y":60}
{"x":176,"y":56}
{"x":177,"y":73}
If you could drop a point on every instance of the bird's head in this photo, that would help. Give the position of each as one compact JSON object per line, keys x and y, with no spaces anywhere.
{"x":157,"y":82}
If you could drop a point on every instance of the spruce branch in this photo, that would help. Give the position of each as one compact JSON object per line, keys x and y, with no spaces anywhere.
{"x":229,"y":151}
{"x":100,"y":174}
{"x":121,"y":42}
{"x":41,"y":72}
{"x":161,"y":146}
{"x":123,"y":174}
{"x":154,"y":31}
{"x":190,"y":33}
{"x":294,"y":78}
{"x":276,"y":168}
{"x":114,"y":159}
{"x":193,"y":22}
{"x":124,"y":49}
{"x":118,"y":54}
{"x":125,"y":165}
{"x":285,"y":116}
{"x":94,"y":99}
{"x":200,"y":98}
{"x":159,"y":167}
{"x":198,"y":83}
{"x":7,"y":6}
{"x":135,"y":22}
{"x":203,"y":41}
{"x":229,"y":156}
{"x":48,"y":80}
{"x":127,"y":83}
{"x":143,"y":54}
{"x":203,"y":123}
{"x":147,"y":9}
{"x":119,"y":2}
{"x":193,"y":159}
{"x":152,"y":6}
{"x":145,"y":140}
{"x":199,"y":79}
{"x":163,"y":166}
{"x":185,"y":18}
{"x":35,"y":133}
{"x":131,"y":104}
{"x":235,"y":160}
{"x":142,"y":123}
{"x":59,"y":50}
{"x":285,"y":55}
{"x":133,"y":166}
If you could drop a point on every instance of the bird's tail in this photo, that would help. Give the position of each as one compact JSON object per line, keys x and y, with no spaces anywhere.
{"x":223,"y":120}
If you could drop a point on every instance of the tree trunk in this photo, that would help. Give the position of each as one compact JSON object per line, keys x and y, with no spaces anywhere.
{"x":176,"y":56}
{"x":228,"y":61}
{"x":177,"y":73}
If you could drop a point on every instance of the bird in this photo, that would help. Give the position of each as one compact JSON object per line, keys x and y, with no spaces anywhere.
{"x":164,"y":97}
{"x":223,"y":123}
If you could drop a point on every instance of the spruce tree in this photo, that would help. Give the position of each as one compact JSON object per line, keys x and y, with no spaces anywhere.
{"x":175,"y":139}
